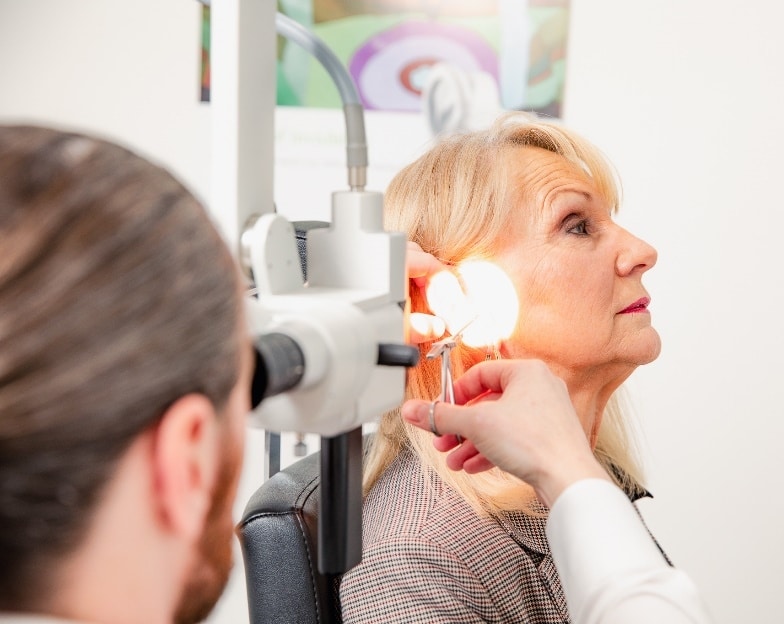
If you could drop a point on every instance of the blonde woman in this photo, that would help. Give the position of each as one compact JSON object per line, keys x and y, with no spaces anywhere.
{"x":538,"y":201}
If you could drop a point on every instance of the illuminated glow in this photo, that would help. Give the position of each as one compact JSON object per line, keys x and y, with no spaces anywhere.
{"x":487,"y":301}
{"x":448,"y":301}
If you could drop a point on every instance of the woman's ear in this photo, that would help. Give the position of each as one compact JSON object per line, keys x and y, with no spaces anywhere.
{"x":185,"y":464}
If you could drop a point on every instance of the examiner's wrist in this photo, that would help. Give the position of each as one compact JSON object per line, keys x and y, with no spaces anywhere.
{"x":552,"y":484}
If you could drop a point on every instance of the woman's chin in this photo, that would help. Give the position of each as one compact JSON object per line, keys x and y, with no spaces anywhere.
{"x":650,"y":347}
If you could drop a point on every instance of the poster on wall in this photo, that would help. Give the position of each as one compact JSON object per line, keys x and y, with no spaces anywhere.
{"x":204,"y":53}
{"x":408,"y":55}
{"x":422,"y":68}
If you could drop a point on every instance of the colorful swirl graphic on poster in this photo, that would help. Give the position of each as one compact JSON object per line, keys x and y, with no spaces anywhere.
{"x":389,"y":46}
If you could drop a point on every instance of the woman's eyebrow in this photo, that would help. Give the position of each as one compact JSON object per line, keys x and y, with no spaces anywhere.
{"x":570,"y":191}
{"x":551,"y":198}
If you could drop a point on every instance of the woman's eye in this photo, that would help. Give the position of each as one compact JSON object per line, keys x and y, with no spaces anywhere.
{"x":581,"y":227}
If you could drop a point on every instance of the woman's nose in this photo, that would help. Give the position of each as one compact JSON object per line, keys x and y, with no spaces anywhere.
{"x":635,"y":255}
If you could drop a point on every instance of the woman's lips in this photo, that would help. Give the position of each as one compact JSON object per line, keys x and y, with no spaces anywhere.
{"x":641,"y":305}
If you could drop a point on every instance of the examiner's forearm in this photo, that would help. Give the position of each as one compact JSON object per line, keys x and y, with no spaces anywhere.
{"x":611,"y":570}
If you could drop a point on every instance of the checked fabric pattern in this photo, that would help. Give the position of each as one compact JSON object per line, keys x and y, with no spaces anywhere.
{"x":428,"y":557}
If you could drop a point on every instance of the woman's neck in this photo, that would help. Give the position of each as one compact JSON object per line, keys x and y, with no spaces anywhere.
{"x":589,"y":408}
{"x":590,"y":392}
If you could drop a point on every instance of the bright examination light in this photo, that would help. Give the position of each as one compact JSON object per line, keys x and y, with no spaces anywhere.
{"x":487,"y":302}
{"x":448,"y":301}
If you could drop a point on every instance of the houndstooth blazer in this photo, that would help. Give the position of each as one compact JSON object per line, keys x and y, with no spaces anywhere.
{"x":428,"y":557}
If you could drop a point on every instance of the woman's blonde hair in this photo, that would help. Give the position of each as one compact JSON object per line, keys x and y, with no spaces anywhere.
{"x":453,"y":202}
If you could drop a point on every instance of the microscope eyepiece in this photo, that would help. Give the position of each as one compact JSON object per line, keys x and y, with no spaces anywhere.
{"x":280,"y":365}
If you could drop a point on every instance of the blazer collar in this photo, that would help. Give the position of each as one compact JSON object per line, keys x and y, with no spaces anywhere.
{"x":528,"y":529}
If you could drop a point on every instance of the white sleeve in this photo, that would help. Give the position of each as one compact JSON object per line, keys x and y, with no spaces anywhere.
{"x":611,"y":570}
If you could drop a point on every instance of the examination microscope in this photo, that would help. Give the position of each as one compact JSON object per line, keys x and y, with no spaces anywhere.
{"x":331,"y":352}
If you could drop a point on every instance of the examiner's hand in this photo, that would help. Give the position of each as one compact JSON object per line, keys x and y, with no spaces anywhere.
{"x":517,"y":415}
{"x":422,"y":266}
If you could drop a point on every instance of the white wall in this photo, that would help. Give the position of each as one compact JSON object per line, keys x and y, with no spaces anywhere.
{"x":686,"y":97}
{"x":128,"y":70}
{"x":683,"y":96}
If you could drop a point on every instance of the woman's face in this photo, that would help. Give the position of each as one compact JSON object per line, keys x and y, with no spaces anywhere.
{"x":578,"y":275}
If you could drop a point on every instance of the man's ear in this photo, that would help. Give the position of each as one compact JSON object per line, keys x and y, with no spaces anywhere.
{"x":185,"y":462}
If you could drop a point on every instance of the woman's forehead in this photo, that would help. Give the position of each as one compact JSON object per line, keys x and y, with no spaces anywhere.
{"x":536,"y":168}
{"x":537,"y":176}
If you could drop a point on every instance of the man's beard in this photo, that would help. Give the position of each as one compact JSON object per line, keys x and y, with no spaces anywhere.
{"x":214,"y":559}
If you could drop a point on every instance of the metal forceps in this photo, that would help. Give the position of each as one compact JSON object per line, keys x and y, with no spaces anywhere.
{"x":443,"y":349}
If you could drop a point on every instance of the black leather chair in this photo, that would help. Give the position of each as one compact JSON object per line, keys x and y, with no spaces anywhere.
{"x":279,"y":533}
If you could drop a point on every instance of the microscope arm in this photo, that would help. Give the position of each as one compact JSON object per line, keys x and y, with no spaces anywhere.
{"x":326,"y":344}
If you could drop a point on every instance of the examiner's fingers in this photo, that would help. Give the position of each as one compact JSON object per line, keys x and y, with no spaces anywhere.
{"x":446,"y":442}
{"x":424,"y":327}
{"x":417,"y":412}
{"x":477,"y":463}
{"x":460,"y":455}
{"x":421,"y":264}
{"x":464,"y":456}
{"x":488,"y":376}
{"x":494,"y":377}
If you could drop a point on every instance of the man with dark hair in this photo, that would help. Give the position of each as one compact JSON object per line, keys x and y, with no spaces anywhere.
{"x":124,"y":376}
